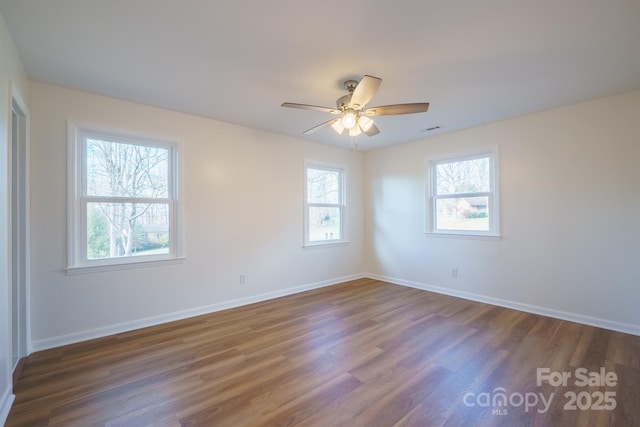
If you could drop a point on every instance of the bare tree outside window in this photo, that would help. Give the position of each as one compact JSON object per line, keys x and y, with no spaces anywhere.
{"x":123,"y":200}
{"x":463,"y":195}
{"x":470,"y":176}
{"x":324,"y":202}
{"x":127,"y":189}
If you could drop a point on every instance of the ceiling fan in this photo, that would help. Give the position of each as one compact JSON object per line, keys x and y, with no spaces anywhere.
{"x":354,"y":116}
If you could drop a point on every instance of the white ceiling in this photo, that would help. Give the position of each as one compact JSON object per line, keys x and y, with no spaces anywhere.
{"x":238,"y":60}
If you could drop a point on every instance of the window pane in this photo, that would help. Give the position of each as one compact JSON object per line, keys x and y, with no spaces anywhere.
{"x":468,"y":176}
{"x":126,"y":170}
{"x":127,"y":229}
{"x":323,"y":186}
{"x":324,"y":224}
{"x":469,"y":213}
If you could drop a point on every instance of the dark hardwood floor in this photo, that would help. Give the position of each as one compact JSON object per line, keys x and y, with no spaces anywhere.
{"x":362,"y":353}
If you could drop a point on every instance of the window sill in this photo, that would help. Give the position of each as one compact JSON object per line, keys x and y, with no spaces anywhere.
{"x":314,"y":245}
{"x":85,"y":269}
{"x":463,"y":236}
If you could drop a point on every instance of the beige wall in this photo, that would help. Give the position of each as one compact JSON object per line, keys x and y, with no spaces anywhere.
{"x":569,"y":202}
{"x":242,"y":198}
{"x":570,"y":215}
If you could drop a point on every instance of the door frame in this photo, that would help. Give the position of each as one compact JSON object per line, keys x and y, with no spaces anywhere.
{"x":19,"y":224}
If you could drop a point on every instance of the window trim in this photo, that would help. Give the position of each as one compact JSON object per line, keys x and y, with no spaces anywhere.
{"x":494,"y":194}
{"x":77,"y":200}
{"x":341,"y":205}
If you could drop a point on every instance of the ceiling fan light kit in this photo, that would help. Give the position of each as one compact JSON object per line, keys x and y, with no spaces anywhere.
{"x":355,"y":131}
{"x":365,"y":123}
{"x":349,"y":119}
{"x":352,"y":107}
{"x":337,"y":126}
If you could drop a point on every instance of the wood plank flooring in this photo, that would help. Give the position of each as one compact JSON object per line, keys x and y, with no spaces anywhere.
{"x":362,"y":353}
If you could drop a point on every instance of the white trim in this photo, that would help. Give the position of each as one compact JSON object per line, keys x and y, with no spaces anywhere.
{"x":72,"y":271}
{"x":626,"y":328}
{"x":76,"y":337}
{"x":341,"y":205}
{"x":24,"y":348}
{"x":5,"y":404}
{"x":77,"y":261}
{"x":72,"y":184}
{"x":493,"y":195}
{"x":463,"y":235}
{"x":326,"y":243}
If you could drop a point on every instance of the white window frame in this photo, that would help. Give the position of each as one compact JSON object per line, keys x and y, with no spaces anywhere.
{"x":77,"y":200}
{"x":341,"y":204}
{"x":492,"y":194}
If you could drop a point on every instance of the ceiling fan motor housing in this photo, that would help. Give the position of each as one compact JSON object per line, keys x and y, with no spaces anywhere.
{"x":350,"y":85}
{"x":343,"y":102}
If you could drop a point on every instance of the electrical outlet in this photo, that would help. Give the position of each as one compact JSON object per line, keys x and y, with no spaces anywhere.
{"x":454,"y":272}
{"x":243,"y":279}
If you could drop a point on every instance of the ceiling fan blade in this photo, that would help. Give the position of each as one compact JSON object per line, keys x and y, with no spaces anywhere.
{"x":373,"y":130}
{"x":365,"y":90}
{"x":321,"y":125}
{"x":310,"y":107}
{"x":390,"y":110}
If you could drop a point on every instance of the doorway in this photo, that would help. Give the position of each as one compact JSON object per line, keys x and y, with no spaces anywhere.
{"x":19,"y":219}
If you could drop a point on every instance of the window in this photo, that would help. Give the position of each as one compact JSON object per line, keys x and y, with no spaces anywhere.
{"x":123,"y":200}
{"x":324,"y":205}
{"x":463,"y":194}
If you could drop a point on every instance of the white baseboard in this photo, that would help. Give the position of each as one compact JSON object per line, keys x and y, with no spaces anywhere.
{"x":543,"y":311}
{"x":5,"y":404}
{"x":170,"y":317}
